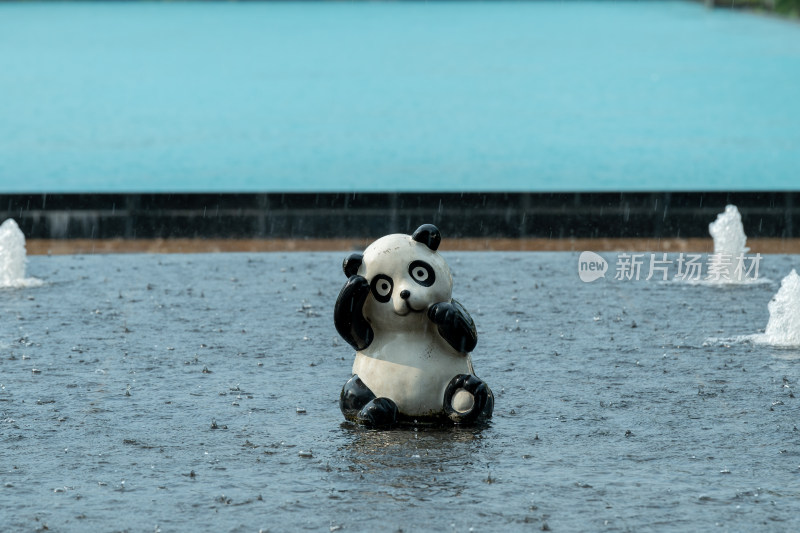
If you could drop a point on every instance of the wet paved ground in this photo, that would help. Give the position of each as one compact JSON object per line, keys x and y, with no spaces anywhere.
{"x":162,"y":391}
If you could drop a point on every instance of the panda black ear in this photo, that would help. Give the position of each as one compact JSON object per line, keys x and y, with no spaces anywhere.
{"x":351,"y":264}
{"x":429,"y":235}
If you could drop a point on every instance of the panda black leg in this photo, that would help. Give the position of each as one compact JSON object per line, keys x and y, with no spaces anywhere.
{"x":380,"y":412}
{"x":482,"y":399}
{"x":355,"y":395}
{"x":359,"y":404}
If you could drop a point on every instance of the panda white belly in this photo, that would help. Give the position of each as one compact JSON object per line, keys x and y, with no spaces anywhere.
{"x":411,"y":369}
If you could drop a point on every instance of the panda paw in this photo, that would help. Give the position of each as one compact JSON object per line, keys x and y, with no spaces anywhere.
{"x":455,"y":325}
{"x":468,"y":398}
{"x":347,"y":315}
{"x":379,"y":412}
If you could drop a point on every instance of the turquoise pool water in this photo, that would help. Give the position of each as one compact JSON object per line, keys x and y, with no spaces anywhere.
{"x":589,"y":96}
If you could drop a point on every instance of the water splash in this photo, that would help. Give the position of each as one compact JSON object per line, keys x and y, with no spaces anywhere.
{"x":13,"y":257}
{"x":727,"y":262}
{"x":783,"y":328}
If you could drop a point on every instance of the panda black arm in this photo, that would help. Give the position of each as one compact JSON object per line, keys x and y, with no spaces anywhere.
{"x":347,"y":315}
{"x":455,"y":325}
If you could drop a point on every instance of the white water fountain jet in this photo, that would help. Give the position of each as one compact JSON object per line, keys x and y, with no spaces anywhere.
{"x":13,"y":257}
{"x":783,"y":328}
{"x":727,"y":264}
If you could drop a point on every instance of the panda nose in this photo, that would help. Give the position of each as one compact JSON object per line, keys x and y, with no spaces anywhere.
{"x":404,"y":294}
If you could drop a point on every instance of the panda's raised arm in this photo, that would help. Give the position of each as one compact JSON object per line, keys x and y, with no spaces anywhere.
{"x":455,"y":325}
{"x":347,"y":315}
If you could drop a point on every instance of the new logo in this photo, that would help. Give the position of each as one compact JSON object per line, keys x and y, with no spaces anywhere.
{"x":591,"y":267}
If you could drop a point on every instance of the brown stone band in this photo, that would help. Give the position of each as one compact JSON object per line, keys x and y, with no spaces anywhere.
{"x":163,"y":246}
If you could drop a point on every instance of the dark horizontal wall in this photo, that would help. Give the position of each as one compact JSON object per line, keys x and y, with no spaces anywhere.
{"x":516,"y":215}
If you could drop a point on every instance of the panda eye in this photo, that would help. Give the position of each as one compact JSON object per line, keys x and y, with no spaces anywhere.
{"x":422,"y":273}
{"x":382,"y":288}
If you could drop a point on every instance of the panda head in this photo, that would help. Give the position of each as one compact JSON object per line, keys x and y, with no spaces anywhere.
{"x":406,"y":275}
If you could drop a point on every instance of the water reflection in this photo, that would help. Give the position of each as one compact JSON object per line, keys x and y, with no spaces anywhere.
{"x":404,"y":460}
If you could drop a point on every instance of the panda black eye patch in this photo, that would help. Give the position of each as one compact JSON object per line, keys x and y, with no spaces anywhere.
{"x":422,"y":273}
{"x":381,"y":287}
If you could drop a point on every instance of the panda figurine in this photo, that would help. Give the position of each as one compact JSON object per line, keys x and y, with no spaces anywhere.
{"x":412,"y":339}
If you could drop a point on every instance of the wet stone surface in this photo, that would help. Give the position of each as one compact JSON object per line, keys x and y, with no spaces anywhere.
{"x":152,"y":392}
